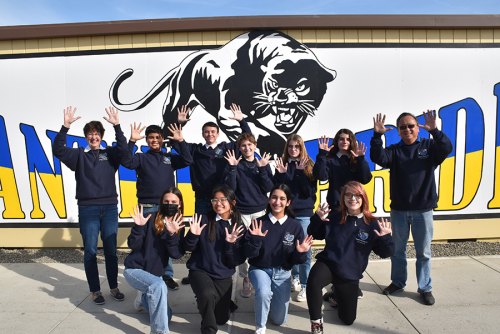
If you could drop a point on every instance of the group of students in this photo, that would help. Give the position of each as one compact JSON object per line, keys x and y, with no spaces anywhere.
{"x":248,"y":218}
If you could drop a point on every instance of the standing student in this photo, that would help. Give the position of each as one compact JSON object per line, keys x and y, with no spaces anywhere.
{"x":350,"y":235}
{"x":251,"y":179}
{"x":214,"y":241}
{"x":274,"y":243}
{"x":338,"y":164}
{"x":155,"y":172}
{"x":95,"y":168}
{"x":412,"y":163}
{"x":295,"y":169}
{"x":154,"y":239}
{"x":208,"y":159}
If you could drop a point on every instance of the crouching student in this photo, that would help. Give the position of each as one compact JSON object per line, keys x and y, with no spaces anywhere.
{"x":274,"y":243}
{"x":153,"y":240}
{"x":350,"y":235}
{"x":215,"y":244}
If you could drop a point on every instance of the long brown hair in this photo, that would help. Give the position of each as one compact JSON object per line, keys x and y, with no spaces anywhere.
{"x":353,"y":146}
{"x":357,"y":189}
{"x":159,"y":225}
{"x":303,"y":154}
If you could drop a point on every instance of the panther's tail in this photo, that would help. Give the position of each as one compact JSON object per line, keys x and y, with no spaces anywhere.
{"x":141,"y":103}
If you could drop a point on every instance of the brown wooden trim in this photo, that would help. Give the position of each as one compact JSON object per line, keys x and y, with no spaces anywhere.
{"x":251,"y":22}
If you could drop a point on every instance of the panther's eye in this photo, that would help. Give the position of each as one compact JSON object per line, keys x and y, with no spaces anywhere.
{"x":273,"y":84}
{"x":302,"y":88}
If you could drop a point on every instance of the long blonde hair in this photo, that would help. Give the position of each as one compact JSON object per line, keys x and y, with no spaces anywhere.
{"x":303,"y":154}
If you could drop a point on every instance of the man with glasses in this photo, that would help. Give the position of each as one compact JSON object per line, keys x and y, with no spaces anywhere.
{"x":412,"y":163}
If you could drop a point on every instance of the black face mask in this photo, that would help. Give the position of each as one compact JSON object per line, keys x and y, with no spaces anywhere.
{"x":169,"y":210}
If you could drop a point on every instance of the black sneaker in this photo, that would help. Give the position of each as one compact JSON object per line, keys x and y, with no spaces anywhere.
{"x":170,"y":283}
{"x":392,"y":288}
{"x":428,"y":298}
{"x":360,"y":294}
{"x":232,"y":307}
{"x":327,"y":295}
{"x":98,"y":298}
{"x":117,"y":295}
{"x":185,"y":281}
{"x":332,"y":299}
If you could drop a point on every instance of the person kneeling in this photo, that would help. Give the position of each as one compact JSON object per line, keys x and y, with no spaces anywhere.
{"x":153,"y":240}
{"x":350,"y":235}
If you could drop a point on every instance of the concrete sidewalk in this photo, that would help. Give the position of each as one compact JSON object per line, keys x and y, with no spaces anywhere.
{"x":53,"y":298}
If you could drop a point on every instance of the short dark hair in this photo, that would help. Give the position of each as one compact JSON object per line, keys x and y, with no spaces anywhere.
{"x":154,"y":129}
{"x":93,"y":126}
{"x":404,"y":115}
{"x":210,"y":125}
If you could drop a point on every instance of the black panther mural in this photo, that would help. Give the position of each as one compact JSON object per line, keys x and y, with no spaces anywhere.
{"x":277,"y":81}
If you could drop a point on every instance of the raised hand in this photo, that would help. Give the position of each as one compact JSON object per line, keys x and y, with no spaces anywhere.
{"x":384,"y":226}
{"x":360,"y":150}
{"x":174,"y":224}
{"x":256,"y":228}
{"x":69,"y":116}
{"x":234,"y":235}
{"x":183,"y":113}
{"x":323,"y":143}
{"x":112,"y":115}
{"x":237,"y":113}
{"x":138,"y":216}
{"x":305,"y":246}
{"x":264,"y":160}
{"x":379,"y":124}
{"x":323,"y":211}
{"x":194,"y":225}
{"x":280,"y":166}
{"x":135,"y":132}
{"x":231,"y":158}
{"x":303,"y":163}
{"x":430,"y":120}
{"x":176,"y":131}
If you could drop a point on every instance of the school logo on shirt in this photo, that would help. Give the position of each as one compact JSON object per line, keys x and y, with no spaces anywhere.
{"x":166,"y":160}
{"x":103,"y":156}
{"x":218,"y":152}
{"x":422,"y":153}
{"x":288,"y":239}
{"x":362,"y":237}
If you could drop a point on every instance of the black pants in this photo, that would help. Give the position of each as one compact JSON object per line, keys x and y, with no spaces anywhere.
{"x":213,"y":297}
{"x":346,"y":293}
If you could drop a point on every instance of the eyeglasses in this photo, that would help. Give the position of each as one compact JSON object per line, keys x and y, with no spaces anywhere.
{"x":351,"y":195}
{"x":293,"y":146}
{"x":218,"y":200}
{"x":404,"y":127}
{"x":93,"y":134}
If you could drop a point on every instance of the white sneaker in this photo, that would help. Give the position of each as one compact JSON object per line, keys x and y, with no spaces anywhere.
{"x":138,"y":302}
{"x":301,"y":296}
{"x":296,"y":286}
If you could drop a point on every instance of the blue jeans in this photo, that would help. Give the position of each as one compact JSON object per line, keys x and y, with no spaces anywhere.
{"x":302,"y":270}
{"x":154,"y":297}
{"x":92,"y":220}
{"x":422,"y":228}
{"x":272,"y":295}
{"x":169,"y":269}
